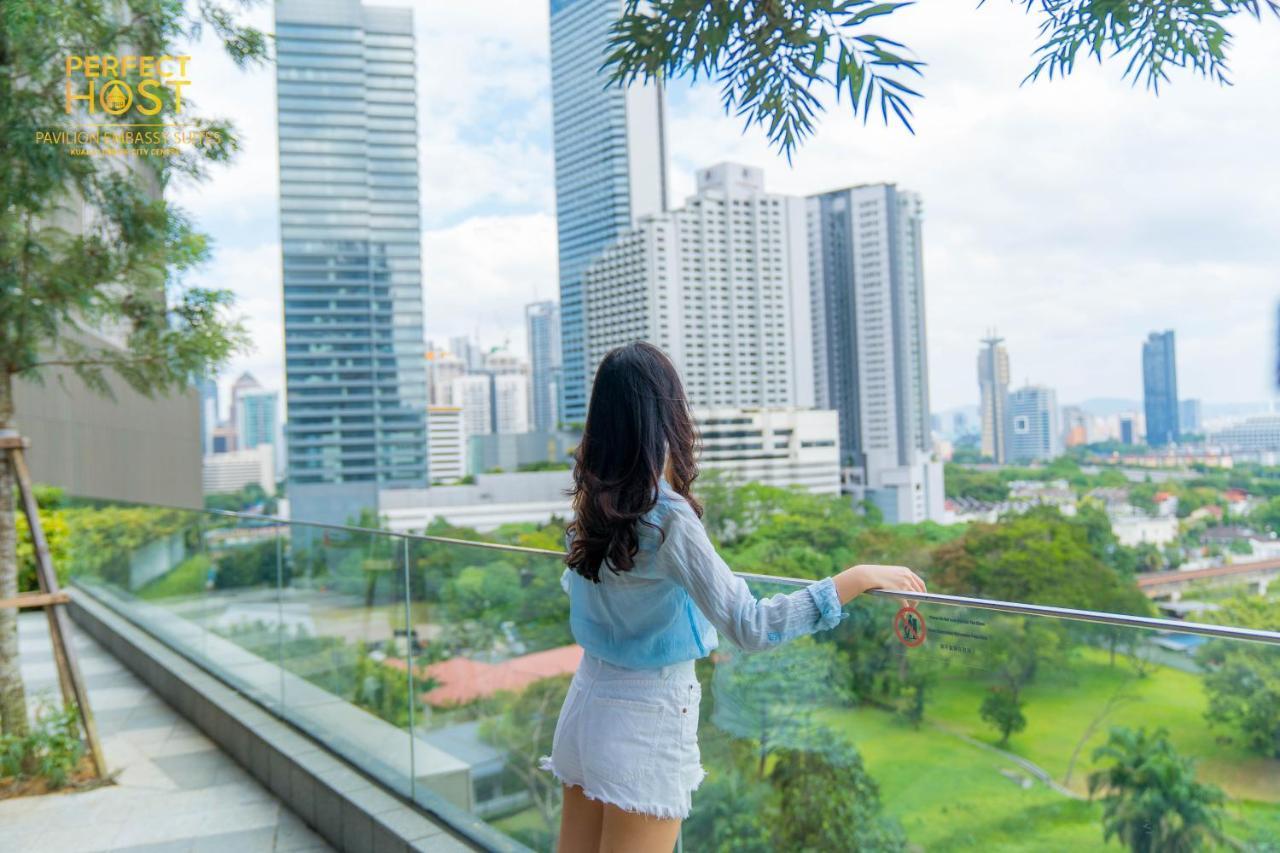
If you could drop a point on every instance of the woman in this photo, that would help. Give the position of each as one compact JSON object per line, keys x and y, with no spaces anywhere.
{"x":648,"y":594}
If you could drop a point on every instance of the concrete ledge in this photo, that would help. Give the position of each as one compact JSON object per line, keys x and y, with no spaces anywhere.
{"x":347,"y":808}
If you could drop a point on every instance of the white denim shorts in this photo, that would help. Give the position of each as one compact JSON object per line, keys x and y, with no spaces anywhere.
{"x":629,"y":737}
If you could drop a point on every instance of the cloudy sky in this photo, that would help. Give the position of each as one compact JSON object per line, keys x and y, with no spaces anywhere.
{"x":1073,"y":216}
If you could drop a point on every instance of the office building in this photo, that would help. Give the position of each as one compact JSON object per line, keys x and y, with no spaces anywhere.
{"x":1160,"y":389}
{"x":1034,"y":431}
{"x":442,"y":368}
{"x":870,"y":356}
{"x":1256,"y":434}
{"x":542,"y":325}
{"x":610,"y":162}
{"x":446,"y":444}
{"x":721,"y":285}
{"x":993,"y":387}
{"x":510,"y":402}
{"x":784,"y":447}
{"x":468,"y":351}
{"x":350,"y":230}
{"x":513,"y":451}
{"x":236,"y":469}
{"x":1190,"y":416}
{"x":1075,"y":426}
{"x":256,"y":421}
{"x":1128,"y":429}
{"x":209,"y":412}
{"x":474,"y":395}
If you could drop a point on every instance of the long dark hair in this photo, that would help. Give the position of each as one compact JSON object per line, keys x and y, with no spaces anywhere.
{"x":637,"y":417}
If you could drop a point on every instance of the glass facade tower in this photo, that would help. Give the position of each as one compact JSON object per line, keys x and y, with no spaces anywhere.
{"x":1160,"y":389}
{"x":354,"y":353}
{"x":542,"y":320}
{"x":610,"y":162}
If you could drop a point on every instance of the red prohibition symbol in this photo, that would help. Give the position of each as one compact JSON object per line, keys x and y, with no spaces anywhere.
{"x":909,"y":625}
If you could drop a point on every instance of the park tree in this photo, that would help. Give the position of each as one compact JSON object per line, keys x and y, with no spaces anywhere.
{"x":1040,"y":557}
{"x":524,"y":729}
{"x":732,"y":814}
{"x":89,"y":243}
{"x":964,"y":482}
{"x":772,"y":60}
{"x":1018,"y":648}
{"x":1243,"y":678}
{"x":828,"y":800}
{"x":769,"y":698}
{"x":479,"y":600}
{"x":1002,"y":708}
{"x":1151,"y":800}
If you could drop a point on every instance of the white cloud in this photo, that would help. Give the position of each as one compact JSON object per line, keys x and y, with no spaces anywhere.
{"x":480,"y":274}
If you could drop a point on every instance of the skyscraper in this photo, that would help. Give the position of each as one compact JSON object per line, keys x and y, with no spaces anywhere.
{"x":993,"y":386}
{"x":542,"y":323}
{"x":1190,"y":417}
{"x":354,"y":355}
{"x":610,"y":158}
{"x":208,"y":387}
{"x":256,"y":418}
{"x":1160,"y":389}
{"x":721,"y":285}
{"x":870,"y":355}
{"x":1034,"y":431}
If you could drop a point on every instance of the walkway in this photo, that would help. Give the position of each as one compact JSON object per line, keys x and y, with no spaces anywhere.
{"x":175,"y":791}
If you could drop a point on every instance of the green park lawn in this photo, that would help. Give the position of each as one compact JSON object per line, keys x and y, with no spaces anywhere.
{"x":950,"y":794}
{"x":186,"y":578}
{"x":1059,"y":707}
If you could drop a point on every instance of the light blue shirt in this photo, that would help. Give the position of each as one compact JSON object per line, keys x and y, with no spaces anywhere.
{"x":680,"y":592}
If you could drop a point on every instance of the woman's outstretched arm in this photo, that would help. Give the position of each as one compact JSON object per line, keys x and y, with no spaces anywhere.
{"x":750,"y":623}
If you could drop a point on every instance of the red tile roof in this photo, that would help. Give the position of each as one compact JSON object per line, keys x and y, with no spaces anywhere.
{"x":462,"y":680}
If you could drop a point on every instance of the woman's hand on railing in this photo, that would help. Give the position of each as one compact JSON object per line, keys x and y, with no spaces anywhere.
{"x":856,"y":580}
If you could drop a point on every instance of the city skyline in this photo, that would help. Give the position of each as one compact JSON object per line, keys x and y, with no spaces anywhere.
{"x":1072,"y":285}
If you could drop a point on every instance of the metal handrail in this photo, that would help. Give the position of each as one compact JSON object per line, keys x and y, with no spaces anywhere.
{"x":1094,"y":616}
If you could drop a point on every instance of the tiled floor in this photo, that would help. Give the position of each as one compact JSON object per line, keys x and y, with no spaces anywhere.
{"x":175,"y":790}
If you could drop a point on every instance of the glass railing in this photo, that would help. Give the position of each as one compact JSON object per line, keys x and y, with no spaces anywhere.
{"x":438,"y":667}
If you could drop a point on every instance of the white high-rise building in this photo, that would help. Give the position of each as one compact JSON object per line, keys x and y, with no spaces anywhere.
{"x":722,"y":285}
{"x":473,"y":394}
{"x":446,"y":444}
{"x":442,"y":369}
{"x":510,"y":403}
{"x":232,"y":471}
{"x":869,"y":345}
{"x":777,"y":447}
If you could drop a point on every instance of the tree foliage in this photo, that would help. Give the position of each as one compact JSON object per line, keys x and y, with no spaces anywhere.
{"x":1040,"y":557}
{"x":1243,"y":679}
{"x":769,"y":698}
{"x":1002,"y":708}
{"x":91,"y":254}
{"x":828,"y":801}
{"x":772,"y":58}
{"x":524,"y":729}
{"x":1151,"y":800}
